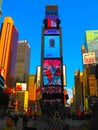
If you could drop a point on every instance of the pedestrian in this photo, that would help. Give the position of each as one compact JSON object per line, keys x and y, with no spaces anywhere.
{"x":9,"y":124}
{"x":15,"y":119}
{"x":25,"y":120}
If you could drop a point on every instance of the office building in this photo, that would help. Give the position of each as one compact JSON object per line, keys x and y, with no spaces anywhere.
{"x":22,"y":61}
{"x":52,"y":85}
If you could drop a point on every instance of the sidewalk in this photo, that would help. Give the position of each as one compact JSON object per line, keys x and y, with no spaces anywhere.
{"x":19,"y":124}
{"x":2,"y":122}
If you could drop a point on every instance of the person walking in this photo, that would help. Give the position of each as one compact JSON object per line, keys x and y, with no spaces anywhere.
{"x":9,"y":124}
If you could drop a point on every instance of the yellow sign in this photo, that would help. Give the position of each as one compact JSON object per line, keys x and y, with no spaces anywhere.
{"x":57,"y":115}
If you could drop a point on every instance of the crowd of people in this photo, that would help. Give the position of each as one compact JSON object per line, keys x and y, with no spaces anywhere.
{"x":12,"y":120}
{"x":9,"y":124}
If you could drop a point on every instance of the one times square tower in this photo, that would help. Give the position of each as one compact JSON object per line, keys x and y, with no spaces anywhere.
{"x":51,"y":62}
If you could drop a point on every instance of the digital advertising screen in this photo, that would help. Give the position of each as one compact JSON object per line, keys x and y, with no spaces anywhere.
{"x":51,"y":90}
{"x":52,"y":72}
{"x":52,"y":46}
{"x":51,"y":23}
{"x":51,"y":31}
{"x":21,"y":86}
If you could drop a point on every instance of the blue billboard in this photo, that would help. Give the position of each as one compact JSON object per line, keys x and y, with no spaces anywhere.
{"x":52,"y":46}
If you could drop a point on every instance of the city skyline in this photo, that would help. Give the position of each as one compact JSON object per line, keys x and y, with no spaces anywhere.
{"x":76,"y":17}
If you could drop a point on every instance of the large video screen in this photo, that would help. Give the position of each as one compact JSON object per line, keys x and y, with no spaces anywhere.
{"x":51,"y":23}
{"x":51,"y":46}
{"x":51,"y":31}
{"x":52,"y":72}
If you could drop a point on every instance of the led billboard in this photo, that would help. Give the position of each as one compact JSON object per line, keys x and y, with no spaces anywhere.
{"x":51,"y":31}
{"x":51,"y":90}
{"x":38,"y":90}
{"x":51,"y":23}
{"x":89,"y":58}
{"x":51,"y":46}
{"x":52,"y":72}
{"x":64,"y":75}
{"x":21,"y":86}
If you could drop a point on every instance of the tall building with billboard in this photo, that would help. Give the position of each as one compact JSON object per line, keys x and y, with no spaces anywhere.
{"x":8,"y":50}
{"x":51,"y":59}
{"x":90,"y":59}
{"x":22,"y":61}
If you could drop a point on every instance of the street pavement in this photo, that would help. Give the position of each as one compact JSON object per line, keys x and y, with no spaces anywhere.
{"x":46,"y":123}
{"x":2,"y":122}
{"x":19,"y":124}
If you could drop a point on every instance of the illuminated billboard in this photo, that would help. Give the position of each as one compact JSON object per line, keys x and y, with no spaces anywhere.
{"x":38,"y":92}
{"x":51,"y":23}
{"x":92,"y":40}
{"x":52,"y":72}
{"x":26,"y":101}
{"x":51,"y":31}
{"x":38,"y":76}
{"x":51,"y":46}
{"x":31,"y":87}
{"x":64,"y":75}
{"x":91,"y":35}
{"x":89,"y":58}
{"x":21,"y":86}
{"x":51,"y":90}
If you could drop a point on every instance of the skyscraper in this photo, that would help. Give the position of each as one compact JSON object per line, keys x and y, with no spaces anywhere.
{"x":8,"y":50}
{"x":51,"y":58}
{"x":23,"y":61}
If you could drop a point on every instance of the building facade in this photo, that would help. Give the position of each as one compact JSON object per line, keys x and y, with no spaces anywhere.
{"x":8,"y":47}
{"x":22,"y":61}
{"x":22,"y":100}
{"x":52,"y":60}
{"x":79,"y":99}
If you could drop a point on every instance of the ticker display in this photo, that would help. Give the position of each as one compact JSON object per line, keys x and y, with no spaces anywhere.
{"x":51,"y":31}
